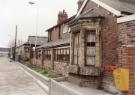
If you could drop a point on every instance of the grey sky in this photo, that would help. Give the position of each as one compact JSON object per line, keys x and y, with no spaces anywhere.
{"x":19,"y":12}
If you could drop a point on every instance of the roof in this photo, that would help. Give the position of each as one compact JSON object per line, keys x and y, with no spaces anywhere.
{"x":114,"y":6}
{"x":40,"y":40}
{"x":121,"y":5}
{"x":126,"y":19}
{"x":69,"y":19}
{"x":91,"y":13}
{"x":56,"y":43}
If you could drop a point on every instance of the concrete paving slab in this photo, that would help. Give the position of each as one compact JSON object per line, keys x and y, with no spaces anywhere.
{"x":14,"y":81}
{"x":84,"y":90}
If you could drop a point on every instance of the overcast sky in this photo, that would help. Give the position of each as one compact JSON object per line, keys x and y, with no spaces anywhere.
{"x":19,"y":12}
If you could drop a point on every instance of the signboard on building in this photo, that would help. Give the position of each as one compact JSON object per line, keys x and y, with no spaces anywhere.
{"x":121,"y":77}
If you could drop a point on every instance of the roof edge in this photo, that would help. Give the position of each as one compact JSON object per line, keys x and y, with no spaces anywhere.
{"x":126,"y":18}
{"x":105,"y":6}
{"x":61,"y":23}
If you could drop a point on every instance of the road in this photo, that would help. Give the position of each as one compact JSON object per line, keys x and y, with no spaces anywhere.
{"x":14,"y":81}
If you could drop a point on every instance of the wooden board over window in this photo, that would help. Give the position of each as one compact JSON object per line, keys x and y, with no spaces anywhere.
{"x":62,"y":55}
{"x":76,"y":48}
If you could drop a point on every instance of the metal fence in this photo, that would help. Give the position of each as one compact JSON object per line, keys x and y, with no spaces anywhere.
{"x":50,"y":86}
{"x":58,"y":89}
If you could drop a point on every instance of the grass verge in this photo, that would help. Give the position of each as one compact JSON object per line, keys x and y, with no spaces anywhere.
{"x":45,"y":72}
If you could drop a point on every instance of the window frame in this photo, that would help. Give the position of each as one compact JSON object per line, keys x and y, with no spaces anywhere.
{"x":88,"y":32}
{"x":59,"y":55}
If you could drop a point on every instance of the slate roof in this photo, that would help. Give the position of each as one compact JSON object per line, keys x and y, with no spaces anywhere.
{"x":40,"y":40}
{"x":120,"y":5}
{"x":117,"y":7}
{"x":91,"y":13}
{"x":66,"y":21}
{"x":56,"y":43}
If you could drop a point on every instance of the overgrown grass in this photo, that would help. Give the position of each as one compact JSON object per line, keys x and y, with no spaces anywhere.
{"x":45,"y":72}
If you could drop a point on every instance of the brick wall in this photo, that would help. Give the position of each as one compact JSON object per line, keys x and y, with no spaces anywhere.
{"x":47,"y":64}
{"x":127,"y":51}
{"x":127,"y":60}
{"x":109,"y":38}
{"x":55,"y":34}
{"x":127,"y":33}
{"x":109,"y":42}
{"x":61,"y":67}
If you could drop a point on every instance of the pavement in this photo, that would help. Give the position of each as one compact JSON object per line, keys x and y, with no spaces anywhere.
{"x":84,"y":90}
{"x":15,"y":81}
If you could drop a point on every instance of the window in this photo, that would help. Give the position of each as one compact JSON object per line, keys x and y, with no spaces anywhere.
{"x":47,"y":54}
{"x":26,"y":49}
{"x":91,"y":47}
{"x":38,"y":54}
{"x":76,"y":48}
{"x":62,"y":55}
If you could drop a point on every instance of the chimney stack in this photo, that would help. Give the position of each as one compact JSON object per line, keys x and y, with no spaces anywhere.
{"x":80,"y":2}
{"x":62,"y":16}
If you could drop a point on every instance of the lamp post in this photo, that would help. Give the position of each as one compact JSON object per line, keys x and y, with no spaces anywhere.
{"x":37,"y":15}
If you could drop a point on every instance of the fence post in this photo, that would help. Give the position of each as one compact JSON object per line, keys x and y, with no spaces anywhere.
{"x":49,"y":93}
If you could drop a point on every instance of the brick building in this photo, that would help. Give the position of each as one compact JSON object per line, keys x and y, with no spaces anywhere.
{"x":30,"y":50}
{"x":95,"y":42}
{"x":26,"y":49}
{"x":98,"y":42}
{"x":55,"y":54}
{"x":126,"y":50}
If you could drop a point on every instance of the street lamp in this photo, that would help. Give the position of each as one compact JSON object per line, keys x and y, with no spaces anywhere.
{"x":37,"y":15}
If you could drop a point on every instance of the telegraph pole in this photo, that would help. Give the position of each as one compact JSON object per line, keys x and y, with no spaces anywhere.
{"x":15,"y":41}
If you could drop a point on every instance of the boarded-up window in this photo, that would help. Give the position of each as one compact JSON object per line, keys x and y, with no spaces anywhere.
{"x":62,"y":55}
{"x":91,"y":47}
{"x":47,"y":54}
{"x":76,"y":48}
{"x":39,"y":53}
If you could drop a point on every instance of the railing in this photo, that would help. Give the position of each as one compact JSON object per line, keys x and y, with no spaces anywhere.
{"x":50,"y":86}
{"x":58,"y":89}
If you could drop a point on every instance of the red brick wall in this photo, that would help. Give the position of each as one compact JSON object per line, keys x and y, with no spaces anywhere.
{"x":127,"y":51}
{"x":127,"y":33}
{"x":55,"y":33}
{"x":127,"y":60}
{"x":109,"y":38}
